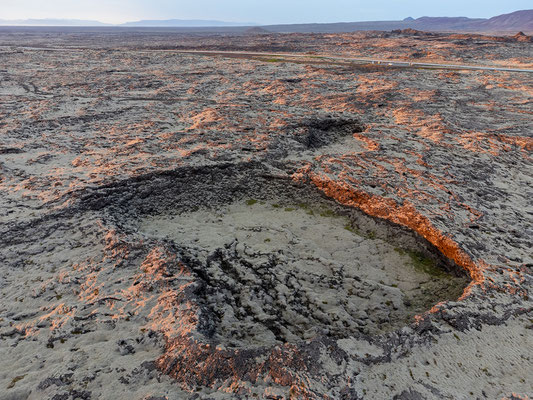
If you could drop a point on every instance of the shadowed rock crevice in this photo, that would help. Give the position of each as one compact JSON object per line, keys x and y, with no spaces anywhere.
{"x":317,"y":133}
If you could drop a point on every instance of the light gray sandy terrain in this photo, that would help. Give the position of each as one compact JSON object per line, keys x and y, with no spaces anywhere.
{"x":178,"y":226}
{"x":326,"y":278}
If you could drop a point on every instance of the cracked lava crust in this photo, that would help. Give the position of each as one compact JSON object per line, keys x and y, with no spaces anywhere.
{"x":188,"y":227}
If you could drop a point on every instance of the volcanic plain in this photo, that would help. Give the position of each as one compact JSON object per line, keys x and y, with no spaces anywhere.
{"x":207,"y":225}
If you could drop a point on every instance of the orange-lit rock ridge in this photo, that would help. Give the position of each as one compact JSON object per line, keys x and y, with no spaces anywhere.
{"x":405,"y":215}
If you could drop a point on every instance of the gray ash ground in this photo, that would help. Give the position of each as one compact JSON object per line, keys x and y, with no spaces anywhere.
{"x":156,"y":209}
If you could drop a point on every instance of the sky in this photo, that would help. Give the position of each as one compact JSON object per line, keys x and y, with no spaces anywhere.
{"x":257,"y":11}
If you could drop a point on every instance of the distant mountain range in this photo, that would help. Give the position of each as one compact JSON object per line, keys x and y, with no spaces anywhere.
{"x":513,"y":22}
{"x":50,"y":22}
{"x":185,"y":23}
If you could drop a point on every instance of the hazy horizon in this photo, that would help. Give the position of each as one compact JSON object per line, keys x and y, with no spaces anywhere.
{"x":242,"y":11}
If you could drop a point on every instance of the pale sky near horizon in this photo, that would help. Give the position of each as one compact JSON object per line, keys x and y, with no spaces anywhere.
{"x":263,"y":12}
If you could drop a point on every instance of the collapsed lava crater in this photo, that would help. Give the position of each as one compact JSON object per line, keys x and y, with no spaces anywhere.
{"x":277,"y":262}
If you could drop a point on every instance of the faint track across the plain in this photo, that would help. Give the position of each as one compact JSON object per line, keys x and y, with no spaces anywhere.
{"x":315,"y":58}
{"x":383,"y":62}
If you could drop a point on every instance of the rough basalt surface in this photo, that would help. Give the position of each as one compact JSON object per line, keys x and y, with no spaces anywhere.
{"x":179,"y":226}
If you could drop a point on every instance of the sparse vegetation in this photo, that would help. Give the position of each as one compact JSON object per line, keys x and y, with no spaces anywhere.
{"x":422,"y":263}
{"x":371,"y":235}
{"x":328,"y":213}
{"x":349,"y":228}
{"x":15,"y":380}
{"x":272,"y":60}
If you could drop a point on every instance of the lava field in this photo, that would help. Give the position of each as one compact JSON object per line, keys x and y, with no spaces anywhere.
{"x":209,"y":226}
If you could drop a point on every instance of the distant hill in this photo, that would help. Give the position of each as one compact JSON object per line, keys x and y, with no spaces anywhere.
{"x":444,"y":23}
{"x":516,"y":21}
{"x":257,"y":30}
{"x":185,"y":23}
{"x":50,"y":22}
{"x":435,"y":24}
